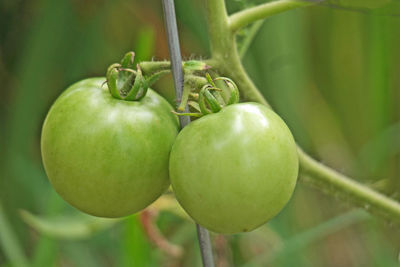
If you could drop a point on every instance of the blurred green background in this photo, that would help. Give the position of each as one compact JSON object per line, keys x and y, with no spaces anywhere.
{"x":333,"y":75}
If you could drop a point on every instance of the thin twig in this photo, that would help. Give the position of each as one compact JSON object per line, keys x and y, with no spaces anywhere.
{"x":177,"y":72}
{"x":249,"y":38}
{"x":147,"y":218}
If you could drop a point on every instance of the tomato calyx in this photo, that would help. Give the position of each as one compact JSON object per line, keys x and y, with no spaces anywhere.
{"x":211,"y":98}
{"x":129,"y":81}
{"x":126,"y":83}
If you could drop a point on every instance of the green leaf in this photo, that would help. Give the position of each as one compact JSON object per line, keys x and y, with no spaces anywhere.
{"x":9,"y":242}
{"x":308,"y":237}
{"x":378,"y":150}
{"x":71,"y":227}
{"x":136,"y":249}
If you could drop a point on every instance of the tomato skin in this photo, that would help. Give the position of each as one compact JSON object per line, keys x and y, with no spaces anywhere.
{"x":234,"y":170}
{"x":108,"y":157}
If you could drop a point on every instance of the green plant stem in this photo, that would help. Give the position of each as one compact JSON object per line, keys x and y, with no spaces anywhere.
{"x":341,"y":186}
{"x":224,"y":52}
{"x":149,"y":67}
{"x":249,"y":38}
{"x":249,"y":15}
{"x":226,"y":60}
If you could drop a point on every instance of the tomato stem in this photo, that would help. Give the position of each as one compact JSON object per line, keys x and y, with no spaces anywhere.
{"x":243,"y":18}
{"x":150,"y":67}
{"x":185,"y":97}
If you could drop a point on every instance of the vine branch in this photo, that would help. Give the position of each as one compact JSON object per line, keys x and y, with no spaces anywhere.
{"x":337,"y":184}
{"x":243,"y":18}
{"x":249,"y":38}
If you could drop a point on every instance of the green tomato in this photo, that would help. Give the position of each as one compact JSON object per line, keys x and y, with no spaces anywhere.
{"x":108,"y":157}
{"x":234,"y":170}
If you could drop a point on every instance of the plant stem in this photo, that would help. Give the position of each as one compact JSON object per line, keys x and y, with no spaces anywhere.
{"x":226,"y":60}
{"x":334,"y":183}
{"x":149,"y":67}
{"x":249,"y":38}
{"x":224,"y":52}
{"x":177,"y":72}
{"x":249,"y":15}
{"x":220,"y":37}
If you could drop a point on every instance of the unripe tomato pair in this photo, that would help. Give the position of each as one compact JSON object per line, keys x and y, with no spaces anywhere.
{"x":231,"y":171}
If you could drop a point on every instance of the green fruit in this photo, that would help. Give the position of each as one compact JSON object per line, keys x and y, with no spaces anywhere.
{"x":234,"y":170}
{"x":104,"y":156}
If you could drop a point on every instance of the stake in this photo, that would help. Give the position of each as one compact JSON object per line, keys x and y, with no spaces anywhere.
{"x":177,"y":72}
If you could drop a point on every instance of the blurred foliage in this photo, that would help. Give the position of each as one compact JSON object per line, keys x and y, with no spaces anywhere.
{"x":332,"y":75}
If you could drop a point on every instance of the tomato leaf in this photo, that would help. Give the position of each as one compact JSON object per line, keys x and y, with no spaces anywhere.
{"x":71,"y":227}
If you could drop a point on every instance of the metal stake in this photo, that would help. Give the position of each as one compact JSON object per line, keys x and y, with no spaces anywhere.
{"x":177,"y":72}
